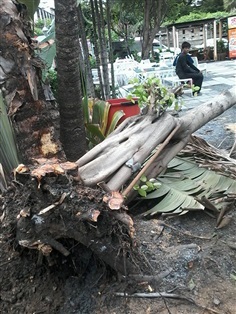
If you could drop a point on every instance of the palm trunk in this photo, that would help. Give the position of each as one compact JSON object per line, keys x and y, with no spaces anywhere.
{"x":33,"y":118}
{"x":72,"y":130}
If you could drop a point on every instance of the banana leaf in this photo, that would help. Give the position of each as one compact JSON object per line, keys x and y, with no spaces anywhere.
{"x":32,"y":6}
{"x":115,"y":119}
{"x":8,"y":150}
{"x":179,"y":194}
{"x":85,"y":106}
{"x":172,"y":201}
{"x":100,"y":113}
{"x":95,"y":131}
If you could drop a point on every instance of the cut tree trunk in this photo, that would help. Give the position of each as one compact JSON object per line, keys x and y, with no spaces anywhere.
{"x":118,"y":157}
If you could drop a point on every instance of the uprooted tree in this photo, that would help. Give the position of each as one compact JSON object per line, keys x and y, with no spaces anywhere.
{"x":85,"y":200}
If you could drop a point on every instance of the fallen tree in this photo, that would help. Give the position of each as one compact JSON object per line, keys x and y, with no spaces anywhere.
{"x":49,"y":199}
{"x":97,"y":217}
{"x":137,"y":137}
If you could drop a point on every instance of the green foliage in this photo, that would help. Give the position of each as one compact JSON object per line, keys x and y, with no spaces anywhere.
{"x":146,"y":186}
{"x":41,"y":23}
{"x":51,"y":77}
{"x":212,"y":6}
{"x":195,"y":16}
{"x":230,"y":6}
{"x":38,"y":31}
{"x":220,"y":46}
{"x":152,"y":93}
{"x":93,"y":63}
{"x":8,"y":150}
{"x":184,"y":184}
{"x":96,"y":114}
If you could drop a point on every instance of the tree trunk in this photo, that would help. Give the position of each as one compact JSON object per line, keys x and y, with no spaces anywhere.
{"x":108,"y":10}
{"x":33,"y":118}
{"x":87,"y":68}
{"x":154,"y":13}
{"x":118,"y":156}
{"x":72,"y":129}
{"x":103,"y":47}
{"x":96,"y":48}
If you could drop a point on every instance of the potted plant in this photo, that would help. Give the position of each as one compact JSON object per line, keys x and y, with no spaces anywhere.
{"x":221,"y":50}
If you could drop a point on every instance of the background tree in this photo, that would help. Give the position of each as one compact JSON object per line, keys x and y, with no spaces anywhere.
{"x":230,"y":5}
{"x":85,"y":65}
{"x":211,"y":6}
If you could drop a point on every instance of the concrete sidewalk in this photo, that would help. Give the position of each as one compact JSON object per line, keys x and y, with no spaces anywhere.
{"x":221,"y":76}
{"x":220,"y":132}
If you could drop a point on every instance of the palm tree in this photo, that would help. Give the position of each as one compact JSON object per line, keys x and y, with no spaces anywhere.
{"x":72,"y":130}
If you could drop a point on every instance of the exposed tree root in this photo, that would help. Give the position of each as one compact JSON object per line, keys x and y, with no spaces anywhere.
{"x":57,"y":209}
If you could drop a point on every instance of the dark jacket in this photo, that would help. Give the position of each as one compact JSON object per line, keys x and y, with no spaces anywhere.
{"x":184,"y":66}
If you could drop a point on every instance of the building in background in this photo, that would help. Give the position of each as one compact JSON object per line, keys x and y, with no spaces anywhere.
{"x":232,"y":36}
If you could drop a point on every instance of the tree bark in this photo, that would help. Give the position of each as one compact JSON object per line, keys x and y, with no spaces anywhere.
{"x":72,"y":129}
{"x":111,"y":57}
{"x":87,"y":68}
{"x":103,"y":47}
{"x":96,"y":47}
{"x":33,"y":118}
{"x":154,"y":13}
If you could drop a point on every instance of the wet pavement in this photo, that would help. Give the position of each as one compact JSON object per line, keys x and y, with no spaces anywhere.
{"x":220,"y":76}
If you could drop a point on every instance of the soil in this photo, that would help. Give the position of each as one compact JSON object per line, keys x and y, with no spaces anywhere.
{"x":186,"y":258}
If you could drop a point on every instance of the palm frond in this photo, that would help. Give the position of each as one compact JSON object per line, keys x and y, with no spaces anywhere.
{"x":8,"y":151}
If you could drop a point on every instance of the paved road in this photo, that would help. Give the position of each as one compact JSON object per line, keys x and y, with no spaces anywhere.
{"x":221,"y":76}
